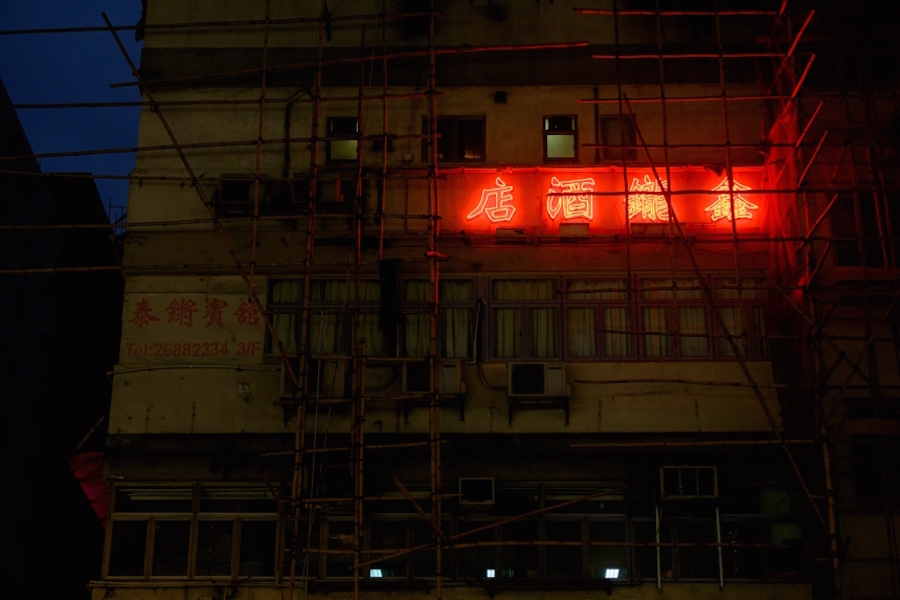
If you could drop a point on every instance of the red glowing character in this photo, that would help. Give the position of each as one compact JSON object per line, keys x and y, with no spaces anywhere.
{"x":500,"y":198}
{"x":572,"y":201}
{"x":143,"y":314}
{"x":181,"y":312}
{"x":247,"y":313}
{"x":650,"y":206}
{"x":213,"y":314}
{"x":721,"y":208}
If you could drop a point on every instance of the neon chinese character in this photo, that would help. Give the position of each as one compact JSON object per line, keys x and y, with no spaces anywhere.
{"x":181,"y":312}
{"x":575,"y":203}
{"x":501,"y":208}
{"x":650,"y":206}
{"x":247,"y":313}
{"x":721,"y":208}
{"x":143,"y":314}
{"x":213,"y":314}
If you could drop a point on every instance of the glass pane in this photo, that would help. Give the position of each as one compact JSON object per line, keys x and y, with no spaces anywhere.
{"x":416,"y":291}
{"x":698,"y":562}
{"x":740,"y":563}
{"x":560,"y":145}
{"x":520,"y":561}
{"x":582,"y":339}
{"x":445,"y":139}
{"x":731,"y":316}
{"x":760,"y":343}
{"x":457,"y":332}
{"x":237,"y":500}
{"x":656,"y":289}
{"x":692,"y":324}
{"x":474,"y":562}
{"x":507,"y":332}
{"x":516,"y":289}
{"x":126,"y":553}
{"x":257,"y":556}
{"x":332,"y":290}
{"x":328,"y":333}
{"x":214,"y":548}
{"x":609,"y":562}
{"x":154,"y":499}
{"x":170,"y":548}
{"x":390,"y":535}
{"x":340,"y":537}
{"x":343,"y":150}
{"x":564,"y":561}
{"x":543,"y":332}
{"x":751,"y":289}
{"x":368,"y":331}
{"x":786,"y":563}
{"x":308,"y":537}
{"x":656,"y":320}
{"x":287,"y":291}
{"x":616,"y":340}
{"x":469,"y":139}
{"x":689,"y":289}
{"x":286,"y":329}
{"x":457,"y":289}
{"x":645,"y":557}
{"x":597,"y":290}
{"x":417,"y":334}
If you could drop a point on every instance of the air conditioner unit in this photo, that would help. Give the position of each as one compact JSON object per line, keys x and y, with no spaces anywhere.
{"x":537,"y":380}
{"x":416,"y":377}
{"x":681,"y":482}
{"x":476,"y":490}
{"x":328,"y":378}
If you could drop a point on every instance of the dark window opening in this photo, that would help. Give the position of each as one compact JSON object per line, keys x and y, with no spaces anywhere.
{"x":460,"y":139}
{"x":617,"y":134}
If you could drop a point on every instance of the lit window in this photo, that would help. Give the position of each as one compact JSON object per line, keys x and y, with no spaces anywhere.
{"x":491,"y":573}
{"x":340,"y":150}
{"x":611,"y":573}
{"x":374,"y":572}
{"x":561,"y":138}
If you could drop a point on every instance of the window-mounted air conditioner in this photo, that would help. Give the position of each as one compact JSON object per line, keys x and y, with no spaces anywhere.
{"x":678,"y":482}
{"x":474,"y":491}
{"x":416,"y":378}
{"x":328,"y":378}
{"x":537,"y":380}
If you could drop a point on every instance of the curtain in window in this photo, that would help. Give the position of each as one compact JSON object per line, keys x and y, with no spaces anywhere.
{"x":289,"y":293}
{"x":330,"y":332}
{"x":691,"y":319}
{"x":618,"y":345}
{"x":731,"y":316}
{"x":656,"y":321}
{"x":418,"y":327}
{"x":582,"y":341}
{"x":458,"y":329}
{"x":543,"y":334}
{"x":760,"y":343}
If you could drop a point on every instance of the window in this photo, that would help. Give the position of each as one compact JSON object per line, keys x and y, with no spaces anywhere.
{"x":236,"y":196}
{"x":456,"y":324}
{"x":233,"y":528}
{"x":460,"y":139}
{"x":747,"y":327}
{"x":618,"y":134}
{"x":598,"y":320}
{"x":342,"y":149}
{"x":525,"y":318}
{"x":843,"y":225}
{"x":335,"y":191}
{"x":666,"y":335}
{"x":561,"y":138}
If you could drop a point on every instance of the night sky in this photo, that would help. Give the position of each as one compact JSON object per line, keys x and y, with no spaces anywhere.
{"x":73,"y":67}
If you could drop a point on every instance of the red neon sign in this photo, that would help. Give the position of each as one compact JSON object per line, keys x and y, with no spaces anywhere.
{"x":573,"y":202}
{"x":501,"y":199}
{"x":721,"y":208}
{"x":649,"y":205}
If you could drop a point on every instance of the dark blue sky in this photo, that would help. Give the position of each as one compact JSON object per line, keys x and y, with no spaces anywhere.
{"x":73,"y":67}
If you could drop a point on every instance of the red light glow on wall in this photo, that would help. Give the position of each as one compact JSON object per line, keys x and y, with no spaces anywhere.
{"x":496,"y":203}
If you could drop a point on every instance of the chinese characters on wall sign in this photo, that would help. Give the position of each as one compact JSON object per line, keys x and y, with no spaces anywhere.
{"x":645,"y":201}
{"x":191,"y":327}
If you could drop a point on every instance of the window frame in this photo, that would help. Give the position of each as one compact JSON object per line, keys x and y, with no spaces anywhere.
{"x":600,"y":328}
{"x":573,"y":133}
{"x":614,"y":152}
{"x":451,"y":140}
{"x":422,"y":307}
{"x":331,"y":122}
{"x":525,"y":306}
{"x":193,"y":517}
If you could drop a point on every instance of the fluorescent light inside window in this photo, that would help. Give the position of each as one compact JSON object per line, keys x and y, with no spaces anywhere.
{"x":612,"y":574}
{"x":491,"y":573}
{"x":374,"y":572}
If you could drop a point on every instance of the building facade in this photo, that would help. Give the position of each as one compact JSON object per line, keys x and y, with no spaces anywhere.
{"x":503,"y":297}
